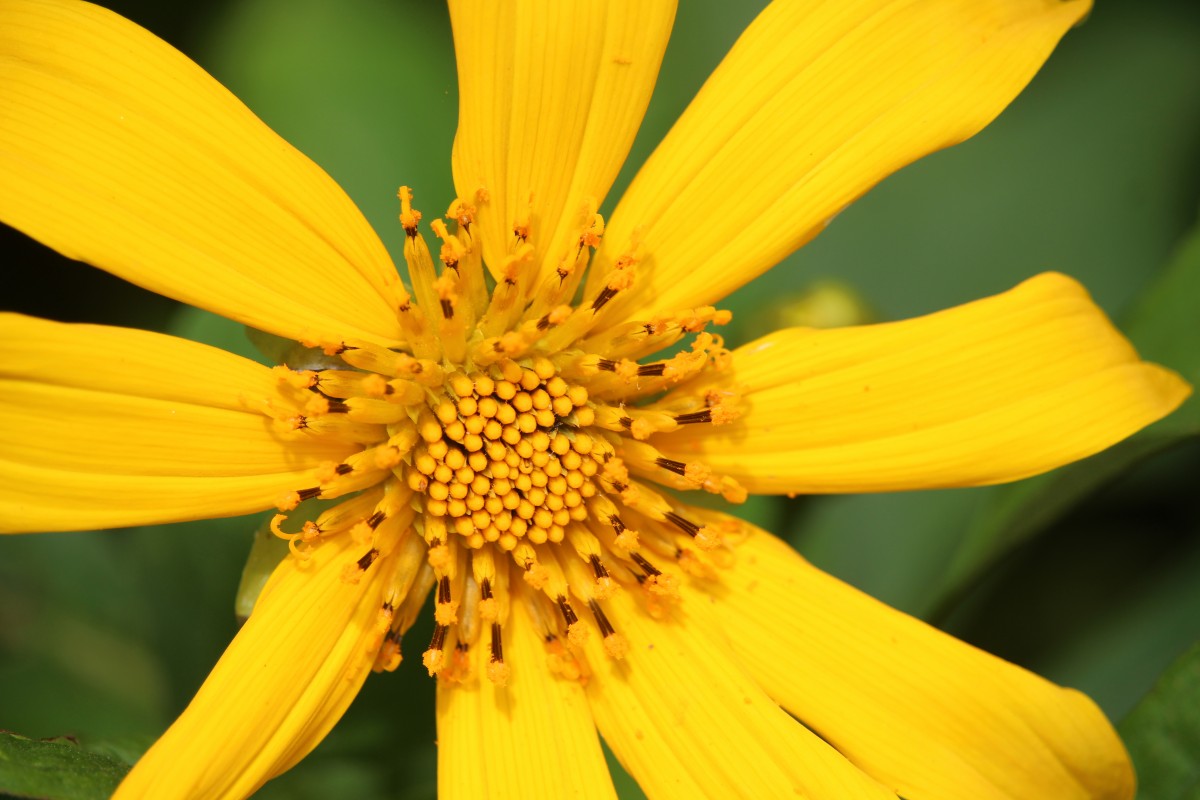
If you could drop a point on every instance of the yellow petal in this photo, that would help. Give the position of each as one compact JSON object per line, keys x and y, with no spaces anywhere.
{"x":687,"y":721}
{"x":990,"y":391}
{"x":104,"y":358}
{"x":531,"y":738}
{"x":815,"y":104}
{"x":108,"y":426}
{"x":117,"y":150}
{"x":284,"y":681}
{"x":550,"y":97}
{"x":922,"y":712}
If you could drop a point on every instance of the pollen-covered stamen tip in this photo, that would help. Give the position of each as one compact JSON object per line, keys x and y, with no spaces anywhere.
{"x":604,"y":585}
{"x":409,"y":217}
{"x":446,"y":608}
{"x":352,"y":573}
{"x":576,"y":633}
{"x":434,"y":658}
{"x":616,"y":645}
{"x":694,"y":472}
{"x":700,"y":534}
{"x":498,"y":672}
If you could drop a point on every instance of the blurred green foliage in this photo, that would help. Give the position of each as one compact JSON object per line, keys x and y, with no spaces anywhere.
{"x":1093,"y":171}
{"x":58,"y":768}
{"x":1163,"y":733}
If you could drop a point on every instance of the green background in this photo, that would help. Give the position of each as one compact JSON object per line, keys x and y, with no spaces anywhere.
{"x":1090,"y":577}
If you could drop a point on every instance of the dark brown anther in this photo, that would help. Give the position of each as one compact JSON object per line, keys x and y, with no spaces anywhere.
{"x":310,"y":493}
{"x":607,"y":365}
{"x":598,"y":567}
{"x":626,"y":422}
{"x":444,"y":590}
{"x":695,"y":417}
{"x":375,"y":519}
{"x":343,"y":469}
{"x":497,"y":644}
{"x":337,"y":407}
{"x":605,"y":295}
{"x":439,"y":637}
{"x":670,"y":465}
{"x":606,"y":628}
{"x":368,"y":559}
{"x":649,"y":568}
{"x":651,"y":370}
{"x":447,"y":308}
{"x":685,"y":525}
{"x":568,"y":613}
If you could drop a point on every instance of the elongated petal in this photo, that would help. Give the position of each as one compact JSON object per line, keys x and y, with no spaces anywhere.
{"x":687,"y":721}
{"x":284,"y":681}
{"x":108,"y":426}
{"x":531,"y":738}
{"x":550,"y":97}
{"x":117,"y":150}
{"x":815,"y":104}
{"x":991,"y":391}
{"x":924,"y":713}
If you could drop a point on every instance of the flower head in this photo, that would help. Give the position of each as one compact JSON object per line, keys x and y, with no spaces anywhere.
{"x":498,"y":431}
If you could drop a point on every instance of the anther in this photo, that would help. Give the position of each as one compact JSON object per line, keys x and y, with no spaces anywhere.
{"x":434,"y":659}
{"x":497,"y":670}
{"x":685,"y":525}
{"x":368,"y":559}
{"x":646,"y":566}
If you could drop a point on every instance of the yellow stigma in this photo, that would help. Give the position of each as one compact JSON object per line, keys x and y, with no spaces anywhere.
{"x":504,"y":453}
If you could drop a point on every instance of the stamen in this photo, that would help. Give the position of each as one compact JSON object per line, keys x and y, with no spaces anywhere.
{"x":646,"y":566}
{"x":497,"y":671}
{"x":576,"y":633}
{"x":434,"y":659}
{"x":614,"y":643}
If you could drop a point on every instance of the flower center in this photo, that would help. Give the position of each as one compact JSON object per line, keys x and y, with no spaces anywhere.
{"x":501,"y":455}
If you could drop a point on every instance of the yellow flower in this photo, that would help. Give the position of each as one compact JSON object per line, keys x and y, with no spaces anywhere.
{"x":501,"y":447}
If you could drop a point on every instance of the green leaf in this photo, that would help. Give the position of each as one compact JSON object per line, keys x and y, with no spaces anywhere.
{"x":1164,"y":327}
{"x":1163,"y":733}
{"x":55,"y":769}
